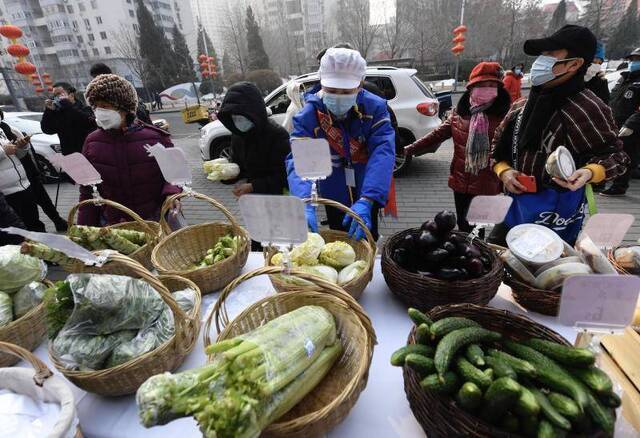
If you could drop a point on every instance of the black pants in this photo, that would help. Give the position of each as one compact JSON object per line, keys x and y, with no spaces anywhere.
{"x":24,"y":204}
{"x":335,"y":218}
{"x":9,"y":218}
{"x":463,"y":201}
{"x":631,"y":146}
{"x":39,"y":192}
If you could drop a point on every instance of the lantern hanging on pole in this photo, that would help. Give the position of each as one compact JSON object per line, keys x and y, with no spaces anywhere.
{"x":202,"y":58}
{"x":18,"y":50}
{"x":36,"y":83}
{"x":39,"y":89}
{"x":11,"y":32}
{"x":49,"y":88}
{"x":459,"y":39}
{"x":25,"y":68}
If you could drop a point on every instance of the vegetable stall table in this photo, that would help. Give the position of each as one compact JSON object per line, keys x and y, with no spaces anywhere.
{"x":381,"y":411}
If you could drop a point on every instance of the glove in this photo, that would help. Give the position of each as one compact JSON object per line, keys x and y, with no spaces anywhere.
{"x":312,"y":221}
{"x":625,"y":132}
{"x":362,"y":208}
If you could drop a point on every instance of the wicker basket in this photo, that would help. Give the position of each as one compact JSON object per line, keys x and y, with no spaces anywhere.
{"x":620,"y":269}
{"x":330,"y":402}
{"x":365,"y":250}
{"x":27,"y":332}
{"x":439,"y":415}
{"x":142,"y":255}
{"x":177,"y":252}
{"x":423,"y":293}
{"x":546,"y":302}
{"x":127,"y":377}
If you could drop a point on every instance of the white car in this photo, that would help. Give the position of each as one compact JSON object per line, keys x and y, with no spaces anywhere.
{"x":414,"y":104}
{"x":44,"y":145}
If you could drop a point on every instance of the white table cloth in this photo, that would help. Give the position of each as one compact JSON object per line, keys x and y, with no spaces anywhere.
{"x":381,"y":411}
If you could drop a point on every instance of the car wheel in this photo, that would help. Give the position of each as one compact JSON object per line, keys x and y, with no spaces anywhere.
{"x":221,"y":148}
{"x":48,"y":173}
{"x":402,"y":161}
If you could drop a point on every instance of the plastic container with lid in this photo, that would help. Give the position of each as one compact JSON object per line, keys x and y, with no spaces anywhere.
{"x":560,"y":163}
{"x":535,"y":244}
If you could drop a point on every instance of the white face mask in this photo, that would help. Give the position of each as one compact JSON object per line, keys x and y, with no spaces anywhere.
{"x":107,"y":118}
{"x":593,"y":70}
{"x":242,"y":123}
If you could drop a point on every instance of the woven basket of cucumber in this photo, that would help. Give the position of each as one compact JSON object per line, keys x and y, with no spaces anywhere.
{"x":482,"y":372}
{"x":209,"y":254}
{"x":626,"y":259}
{"x":109,"y":333}
{"x":330,"y":254}
{"x":290,"y":365}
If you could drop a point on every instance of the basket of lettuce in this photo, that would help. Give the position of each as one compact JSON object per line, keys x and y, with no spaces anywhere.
{"x":290,"y":365}
{"x":209,"y":254}
{"x":109,"y":333}
{"x":331,"y":255}
{"x":21,"y":312}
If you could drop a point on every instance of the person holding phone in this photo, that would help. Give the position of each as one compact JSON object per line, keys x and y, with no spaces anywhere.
{"x":559,"y":111}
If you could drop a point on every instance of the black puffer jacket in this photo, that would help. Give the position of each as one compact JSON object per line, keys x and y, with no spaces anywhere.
{"x":625,"y":101}
{"x":9,"y":218}
{"x":72,"y":122}
{"x":261,"y":151}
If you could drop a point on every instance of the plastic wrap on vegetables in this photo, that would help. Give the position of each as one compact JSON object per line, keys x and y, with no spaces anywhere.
{"x":337,"y":254}
{"x":307,"y":253}
{"x":186,"y":299}
{"x":86,"y":352}
{"x":6,"y":309}
{"x":253,"y":379}
{"x":27,"y":298}
{"x":592,"y":255}
{"x":352,"y":271}
{"x":17,"y":269}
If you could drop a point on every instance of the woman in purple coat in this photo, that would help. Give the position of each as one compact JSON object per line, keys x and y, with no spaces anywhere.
{"x":117,"y":150}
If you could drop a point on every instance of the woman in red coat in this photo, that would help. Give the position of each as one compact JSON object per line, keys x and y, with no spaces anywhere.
{"x":471,"y":125}
{"x":513,"y":82}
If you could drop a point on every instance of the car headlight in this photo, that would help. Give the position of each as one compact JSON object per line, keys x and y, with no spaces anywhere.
{"x":56,"y":148}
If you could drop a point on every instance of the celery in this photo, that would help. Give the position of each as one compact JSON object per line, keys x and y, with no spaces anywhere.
{"x":117,"y":242}
{"x":43,"y":252}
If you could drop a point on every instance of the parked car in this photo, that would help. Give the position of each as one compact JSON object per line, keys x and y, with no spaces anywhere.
{"x":415,"y":106}
{"x":44,"y":145}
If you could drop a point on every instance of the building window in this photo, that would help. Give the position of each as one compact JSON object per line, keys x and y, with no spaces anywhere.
{"x":81,"y":7}
{"x":96,"y":52}
{"x":74,"y":24}
{"x":94,"y":4}
{"x":129,"y":1}
{"x":70,"y":9}
{"x":91,"y":37}
{"x":107,"y":50}
{"x":99,"y":20}
{"x":85,"y":53}
{"x":135,"y":27}
{"x":131,"y":13}
{"x":80,"y":40}
{"x":103,"y":35}
{"x":87,"y":23}
{"x":75,"y":52}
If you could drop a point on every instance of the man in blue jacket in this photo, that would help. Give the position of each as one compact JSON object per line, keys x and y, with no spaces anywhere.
{"x":357,"y":126}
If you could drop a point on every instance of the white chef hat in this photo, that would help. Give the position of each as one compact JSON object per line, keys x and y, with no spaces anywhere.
{"x":342,"y":68}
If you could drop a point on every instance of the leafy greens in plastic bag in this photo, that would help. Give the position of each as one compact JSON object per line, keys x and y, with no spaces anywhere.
{"x":28,"y":297}
{"x":87,"y":352}
{"x":18,"y":269}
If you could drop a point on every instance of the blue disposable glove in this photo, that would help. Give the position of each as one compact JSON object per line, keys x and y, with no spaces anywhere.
{"x":312,"y":221}
{"x":362,"y":208}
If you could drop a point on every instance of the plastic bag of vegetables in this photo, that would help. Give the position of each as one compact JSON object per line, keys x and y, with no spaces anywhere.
{"x":220,"y":169}
{"x":6,"y":309}
{"x":17,"y":269}
{"x":87,"y":352}
{"x":27,"y":298}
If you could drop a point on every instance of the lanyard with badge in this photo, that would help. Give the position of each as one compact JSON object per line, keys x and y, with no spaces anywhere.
{"x":349,"y":171}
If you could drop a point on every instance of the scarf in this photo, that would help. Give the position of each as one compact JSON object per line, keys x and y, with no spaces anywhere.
{"x":541,"y":105}
{"x":478,"y":146}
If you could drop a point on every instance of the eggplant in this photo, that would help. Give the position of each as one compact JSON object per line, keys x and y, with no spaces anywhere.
{"x":401,"y":256}
{"x":455,"y":261}
{"x":437,"y":255}
{"x":450,"y":273}
{"x":430,"y":226}
{"x":486,"y":262}
{"x":446,"y":221}
{"x":408,"y":243}
{"x":474,"y":251}
{"x":425,"y":273}
{"x":449,"y":247}
{"x":427,"y":240}
{"x":463,"y":249}
{"x":475,"y":267}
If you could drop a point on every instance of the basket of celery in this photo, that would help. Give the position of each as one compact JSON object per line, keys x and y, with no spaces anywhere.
{"x":134,"y":239}
{"x":185,"y":252}
{"x":124,"y":377}
{"x":290,"y":365}
{"x":350,"y":264}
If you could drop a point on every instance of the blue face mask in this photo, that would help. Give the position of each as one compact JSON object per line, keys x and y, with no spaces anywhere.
{"x":542,"y":69}
{"x":518,"y":71}
{"x":634,"y":66}
{"x":241,"y":122}
{"x":339,"y":104}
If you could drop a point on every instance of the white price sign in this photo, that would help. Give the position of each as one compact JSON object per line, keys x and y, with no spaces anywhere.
{"x":599,"y":301}
{"x":173,"y":164}
{"x":607,"y":230}
{"x":59,"y":243}
{"x":279,"y":220}
{"x":488,"y":209}
{"x":311,"y":158}
{"x":78,"y":168}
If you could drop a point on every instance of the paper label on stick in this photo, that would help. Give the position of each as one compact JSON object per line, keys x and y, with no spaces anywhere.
{"x":311,"y":157}
{"x":59,"y":243}
{"x":607,"y":230}
{"x":173,"y":164}
{"x":78,"y":168}
{"x":279,"y":220}
{"x":488,"y":209}
{"x":599,"y":301}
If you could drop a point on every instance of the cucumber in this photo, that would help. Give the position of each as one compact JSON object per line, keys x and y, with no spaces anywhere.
{"x":469,"y":396}
{"x":446,"y":325}
{"x":549,"y":412}
{"x":398,"y":357}
{"x":565,"y":406}
{"x":550,"y":373}
{"x":448,"y":384}
{"x":611,"y":400}
{"x":499,"y":398}
{"x":529,"y":426}
{"x":452,"y":342}
{"x":418,"y":317}
{"x":423,"y":335}
{"x":601,"y":416}
{"x":596,"y":379}
{"x":546,"y":430}
{"x":500,"y":368}
{"x":472,"y":374}
{"x":521,"y":367}
{"x":489,"y":373}
{"x":420,"y":364}
{"x":527,"y":405}
{"x":510,"y":423}
{"x":475,"y":355}
{"x":570,"y":356}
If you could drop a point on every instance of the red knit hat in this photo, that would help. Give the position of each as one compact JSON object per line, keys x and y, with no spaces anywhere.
{"x":485,"y":71}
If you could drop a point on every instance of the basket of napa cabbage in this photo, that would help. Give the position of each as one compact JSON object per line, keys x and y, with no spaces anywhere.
{"x":331,"y":255}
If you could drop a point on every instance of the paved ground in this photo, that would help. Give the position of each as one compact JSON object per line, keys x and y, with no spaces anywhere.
{"x":421,"y":193}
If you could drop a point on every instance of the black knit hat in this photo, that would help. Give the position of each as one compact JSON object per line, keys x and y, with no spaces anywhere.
{"x":113,"y":89}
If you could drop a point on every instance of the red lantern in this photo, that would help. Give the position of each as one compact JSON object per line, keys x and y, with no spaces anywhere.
{"x":25,"y":68}
{"x":202,"y":58}
{"x":35,"y":76}
{"x":50,"y":88}
{"x":459,"y":39}
{"x":214,"y":74}
{"x":460,"y":29}
{"x":36,"y":83}
{"x":457,"y":49}
{"x":48,"y":81}
{"x":204,"y":66}
{"x":10,"y":31}
{"x":39,"y":89}
{"x":45,"y":75}
{"x":211,"y":59}
{"x":17,"y":50}
{"x":205,"y":74}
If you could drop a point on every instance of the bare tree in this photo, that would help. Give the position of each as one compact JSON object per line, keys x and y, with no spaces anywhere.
{"x":235,"y":41}
{"x":395,"y":32}
{"x":126,"y":45}
{"x":282,"y":43}
{"x":355,"y":25}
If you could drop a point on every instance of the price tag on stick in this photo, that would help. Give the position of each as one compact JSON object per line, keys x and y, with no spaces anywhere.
{"x":312,"y":158}
{"x":272,"y":219}
{"x":607,"y":230}
{"x":599,"y":302}
{"x":78,"y":168}
{"x":488,"y":209}
{"x":173,"y":164}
